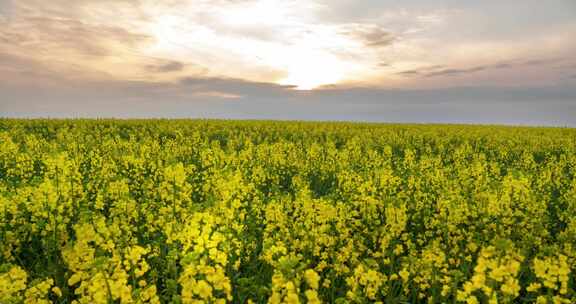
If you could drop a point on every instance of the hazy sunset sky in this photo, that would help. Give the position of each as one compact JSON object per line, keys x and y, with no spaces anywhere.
{"x":492,"y":61}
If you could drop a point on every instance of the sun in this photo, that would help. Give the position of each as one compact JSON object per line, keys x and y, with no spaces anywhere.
{"x":311,"y":69}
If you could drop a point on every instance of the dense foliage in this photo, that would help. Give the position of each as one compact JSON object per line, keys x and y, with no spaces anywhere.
{"x":252,"y":212}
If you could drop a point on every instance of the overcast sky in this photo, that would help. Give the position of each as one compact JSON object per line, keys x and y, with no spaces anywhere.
{"x":454,"y":61}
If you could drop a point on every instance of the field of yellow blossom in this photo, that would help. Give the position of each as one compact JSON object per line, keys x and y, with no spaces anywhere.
{"x":195,"y":211}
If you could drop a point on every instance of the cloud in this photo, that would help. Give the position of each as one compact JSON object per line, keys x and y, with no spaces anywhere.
{"x":496,"y":66}
{"x":541,"y":61}
{"x":53,"y":34}
{"x":166,"y":67}
{"x":452,"y":72}
{"x":103,"y":11}
{"x":465,"y":95}
{"x":23,"y":70}
{"x":5,"y":9}
{"x":217,"y":94}
{"x":236,"y":87}
{"x":50,"y":40}
{"x":420,"y":71}
{"x":440,"y":70}
{"x":236,"y":48}
{"x":409,"y":73}
{"x":371,"y":35}
{"x":200,"y":98}
{"x":10,"y":38}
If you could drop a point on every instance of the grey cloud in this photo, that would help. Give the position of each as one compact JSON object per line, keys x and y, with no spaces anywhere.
{"x":378,"y":38}
{"x":452,"y":72}
{"x":455,"y":94}
{"x":409,"y":73}
{"x":541,"y":61}
{"x":81,"y":90}
{"x":371,"y":35}
{"x":34,"y":73}
{"x":536,"y":106}
{"x":166,"y":67}
{"x":437,"y":71}
{"x":502,"y":65}
{"x":131,"y":99}
{"x":567,"y":66}
{"x":237,"y":87}
{"x":420,"y":71}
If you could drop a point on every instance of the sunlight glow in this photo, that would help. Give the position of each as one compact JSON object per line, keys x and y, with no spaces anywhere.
{"x":264,"y":12}
{"x":300,"y":53}
{"x":309,"y":70}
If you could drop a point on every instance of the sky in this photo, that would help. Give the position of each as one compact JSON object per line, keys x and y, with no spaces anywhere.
{"x":450,"y":61}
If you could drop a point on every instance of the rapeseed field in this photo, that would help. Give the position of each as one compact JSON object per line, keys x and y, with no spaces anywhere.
{"x":184,"y":211}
